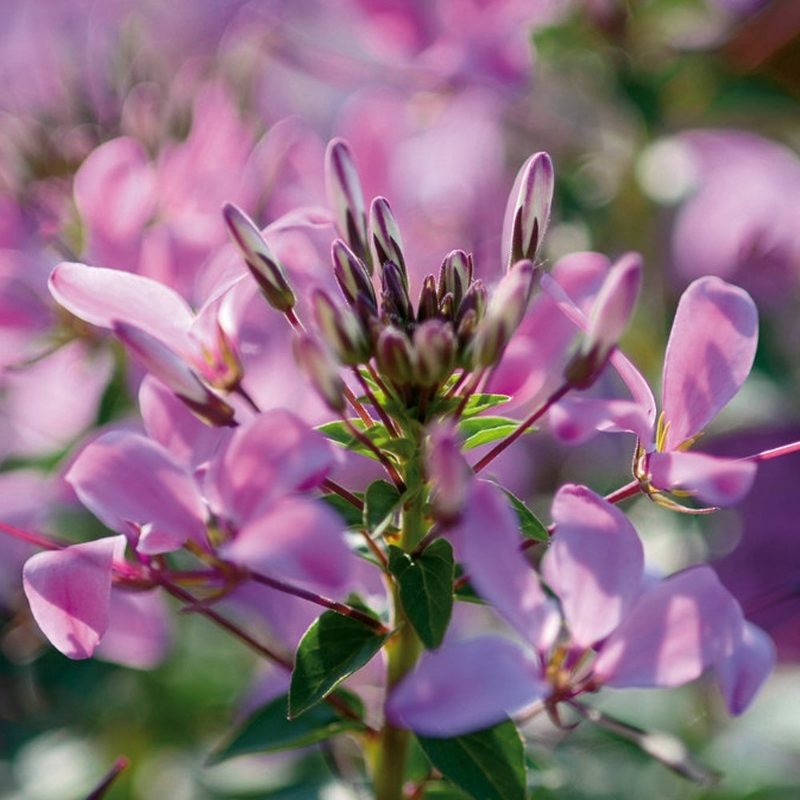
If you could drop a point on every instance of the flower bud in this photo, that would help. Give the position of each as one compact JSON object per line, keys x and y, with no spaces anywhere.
{"x":434,"y":352}
{"x":395,"y":356}
{"x":610,"y":315}
{"x":175,"y":373}
{"x":261,"y":262}
{"x":455,"y":275}
{"x":386,"y":242}
{"x":321,"y":369}
{"x":346,"y":198}
{"x":531,"y":210}
{"x":351,"y":274}
{"x":475,"y":301}
{"x":428,"y":305}
{"x":340,"y":329}
{"x":395,"y":302}
{"x":503,"y":315}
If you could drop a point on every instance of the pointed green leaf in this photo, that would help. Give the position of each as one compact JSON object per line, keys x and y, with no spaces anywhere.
{"x":482,"y":402}
{"x":269,"y":729}
{"x":426,"y":588}
{"x":381,"y":499}
{"x":339,"y":433}
{"x":488,"y":764}
{"x":345,"y":509}
{"x":530,"y":524}
{"x":482,"y":430}
{"x":333,"y":647}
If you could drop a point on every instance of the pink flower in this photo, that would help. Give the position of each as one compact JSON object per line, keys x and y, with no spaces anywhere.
{"x":709,"y":355}
{"x":620,"y":630}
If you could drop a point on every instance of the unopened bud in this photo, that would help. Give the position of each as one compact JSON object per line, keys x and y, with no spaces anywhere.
{"x":395,"y":356}
{"x":455,"y":275}
{"x":504,"y":313}
{"x":175,"y":373}
{"x":347,"y":199}
{"x":260,"y":260}
{"x":531,"y":210}
{"x":474,"y":301}
{"x":447,"y":308}
{"x":340,"y":329}
{"x":386,"y":242}
{"x":351,"y":274}
{"x":428,"y":305}
{"x":610,"y":315}
{"x":321,"y":369}
{"x":395,"y":302}
{"x":434,"y":352}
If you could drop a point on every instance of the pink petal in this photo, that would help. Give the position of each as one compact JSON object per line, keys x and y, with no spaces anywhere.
{"x":466,"y":687}
{"x":710,"y":352}
{"x":489,"y":540}
{"x":743,"y":673}
{"x":139,"y":630}
{"x":674,"y":631}
{"x":713,"y":480}
{"x":298,"y":539}
{"x":273,"y":454}
{"x":577,"y":419}
{"x":124,"y":478}
{"x":594,"y":564}
{"x":102,"y":296}
{"x":69,"y":592}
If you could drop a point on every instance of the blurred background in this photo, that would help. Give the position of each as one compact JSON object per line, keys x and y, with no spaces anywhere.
{"x":124,"y":126}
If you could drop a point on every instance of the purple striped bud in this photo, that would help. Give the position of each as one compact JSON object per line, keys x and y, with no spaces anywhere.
{"x":428,"y":305}
{"x":434,"y":352}
{"x":447,"y":308}
{"x":351,"y":274}
{"x":346,"y":199}
{"x":531,"y":210}
{"x":475,"y":300}
{"x":175,"y":373}
{"x":340,"y":329}
{"x":395,"y":303}
{"x":321,"y":369}
{"x":261,"y":262}
{"x":395,"y":356}
{"x":610,"y":315}
{"x":504,"y":313}
{"x":455,"y":275}
{"x":386,"y":242}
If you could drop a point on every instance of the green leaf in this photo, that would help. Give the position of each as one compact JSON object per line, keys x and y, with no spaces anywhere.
{"x":488,"y":764}
{"x":333,"y":648}
{"x":482,"y":402}
{"x":268,"y":729}
{"x":530,"y":525}
{"x":481,"y":430}
{"x":380,"y":501}
{"x":426,"y":588}
{"x":339,"y":433}
{"x":346,"y":510}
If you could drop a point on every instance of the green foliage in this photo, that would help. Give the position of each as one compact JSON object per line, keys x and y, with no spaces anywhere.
{"x":530,"y":525}
{"x":380,"y":502}
{"x":482,"y":430}
{"x":426,"y":588}
{"x":488,"y":764}
{"x":334,"y":647}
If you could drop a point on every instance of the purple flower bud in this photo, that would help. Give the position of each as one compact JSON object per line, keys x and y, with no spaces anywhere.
{"x":351,"y":274}
{"x":395,"y":302}
{"x":455,"y":275}
{"x":395,"y":356}
{"x":340,"y":329}
{"x":531,"y":210}
{"x":321,"y":369}
{"x":347,"y":199}
{"x":175,"y":373}
{"x":504,"y":313}
{"x":610,"y":314}
{"x":261,"y":262}
{"x":447,"y":308}
{"x":475,"y":300}
{"x":434,"y":352}
{"x":428,"y":305}
{"x":386,"y":242}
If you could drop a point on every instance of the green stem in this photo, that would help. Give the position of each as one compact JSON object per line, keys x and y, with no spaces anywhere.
{"x":402,"y":652}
